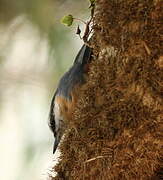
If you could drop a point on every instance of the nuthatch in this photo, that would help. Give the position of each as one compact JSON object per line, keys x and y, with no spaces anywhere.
{"x":63,"y":101}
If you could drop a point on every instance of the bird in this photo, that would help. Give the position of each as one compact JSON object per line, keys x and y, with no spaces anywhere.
{"x":64,"y":98}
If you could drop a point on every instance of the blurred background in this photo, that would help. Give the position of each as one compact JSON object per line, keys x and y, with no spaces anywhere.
{"x":35,"y":50}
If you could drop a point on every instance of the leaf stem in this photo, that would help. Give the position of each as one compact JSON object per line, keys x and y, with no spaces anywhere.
{"x":80,"y":20}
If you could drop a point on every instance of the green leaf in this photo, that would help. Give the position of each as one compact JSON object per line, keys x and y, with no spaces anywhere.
{"x":67,"y":20}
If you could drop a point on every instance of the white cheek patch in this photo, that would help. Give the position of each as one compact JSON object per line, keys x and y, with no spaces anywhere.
{"x":57,"y":115}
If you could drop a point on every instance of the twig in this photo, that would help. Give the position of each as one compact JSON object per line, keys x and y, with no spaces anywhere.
{"x":92,"y":159}
{"x":146,"y":48}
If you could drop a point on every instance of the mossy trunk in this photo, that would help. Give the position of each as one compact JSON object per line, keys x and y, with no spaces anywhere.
{"x":115,"y":132}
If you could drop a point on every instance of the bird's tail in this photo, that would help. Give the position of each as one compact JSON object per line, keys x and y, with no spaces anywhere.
{"x":83,"y":55}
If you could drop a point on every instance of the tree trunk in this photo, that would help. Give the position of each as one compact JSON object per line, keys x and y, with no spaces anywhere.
{"x":115,"y":132}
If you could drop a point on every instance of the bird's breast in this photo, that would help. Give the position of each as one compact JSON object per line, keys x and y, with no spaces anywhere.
{"x":63,"y":109}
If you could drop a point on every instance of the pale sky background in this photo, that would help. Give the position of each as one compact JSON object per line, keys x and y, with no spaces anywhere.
{"x":26,"y":89}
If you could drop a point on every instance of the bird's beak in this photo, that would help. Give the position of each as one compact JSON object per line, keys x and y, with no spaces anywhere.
{"x":55,"y":144}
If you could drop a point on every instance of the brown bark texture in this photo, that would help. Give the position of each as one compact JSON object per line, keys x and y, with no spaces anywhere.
{"x":116,"y":128}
